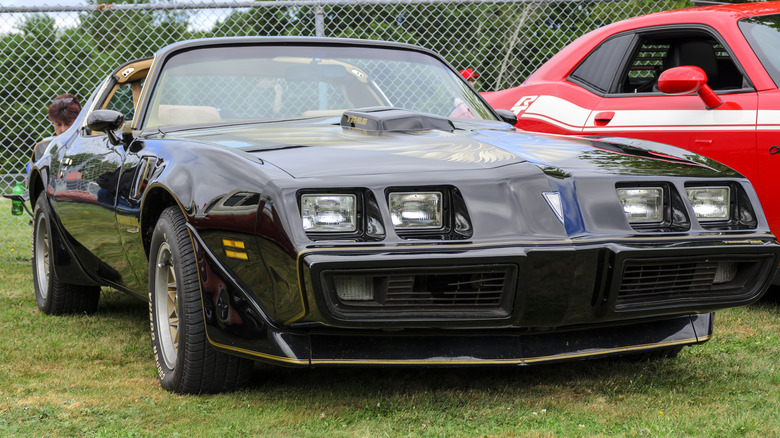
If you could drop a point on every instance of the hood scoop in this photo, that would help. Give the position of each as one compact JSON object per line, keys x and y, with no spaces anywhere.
{"x":384,"y":119}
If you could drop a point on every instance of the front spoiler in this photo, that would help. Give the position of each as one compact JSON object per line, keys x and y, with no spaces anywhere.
{"x":463,"y":348}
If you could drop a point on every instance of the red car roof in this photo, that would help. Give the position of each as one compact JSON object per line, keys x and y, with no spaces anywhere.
{"x":722,"y":17}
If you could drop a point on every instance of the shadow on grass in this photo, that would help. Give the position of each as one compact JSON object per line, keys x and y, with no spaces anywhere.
{"x":584,"y":376}
{"x":347,"y":384}
{"x":771,"y":298}
{"x":114,"y":304}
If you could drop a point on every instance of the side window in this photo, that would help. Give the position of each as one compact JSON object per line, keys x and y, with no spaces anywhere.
{"x":597,"y":71}
{"x":654,"y":54}
{"x":645,"y":67}
{"x":122,"y":101}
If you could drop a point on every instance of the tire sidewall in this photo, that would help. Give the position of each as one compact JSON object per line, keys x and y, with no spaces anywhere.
{"x":42,"y":213}
{"x":165,"y":231}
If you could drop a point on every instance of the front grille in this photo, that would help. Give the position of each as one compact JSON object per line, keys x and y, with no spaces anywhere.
{"x":647,"y":280}
{"x":662,"y":283}
{"x":472,"y":291}
{"x":475,"y":290}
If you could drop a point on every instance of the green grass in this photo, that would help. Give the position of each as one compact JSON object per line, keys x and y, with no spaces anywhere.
{"x":15,"y":233}
{"x":94,"y":376}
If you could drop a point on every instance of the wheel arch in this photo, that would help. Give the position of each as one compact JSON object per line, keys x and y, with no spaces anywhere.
{"x":35,"y":186}
{"x":157,"y":199}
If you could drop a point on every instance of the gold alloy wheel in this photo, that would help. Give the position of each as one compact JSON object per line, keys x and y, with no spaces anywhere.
{"x":41,"y":254}
{"x":166,"y":305}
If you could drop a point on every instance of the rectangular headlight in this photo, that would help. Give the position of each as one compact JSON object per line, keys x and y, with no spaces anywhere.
{"x":710,"y":203}
{"x":416,"y":210}
{"x":328,"y":213}
{"x":642,"y":204}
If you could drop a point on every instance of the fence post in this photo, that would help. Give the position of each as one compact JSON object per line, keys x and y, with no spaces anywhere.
{"x":319,"y":20}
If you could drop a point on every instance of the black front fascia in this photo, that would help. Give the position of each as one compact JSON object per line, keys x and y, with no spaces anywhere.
{"x":556,"y":286}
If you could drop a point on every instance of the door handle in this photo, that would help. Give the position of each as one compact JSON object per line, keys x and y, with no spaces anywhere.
{"x":603,"y":118}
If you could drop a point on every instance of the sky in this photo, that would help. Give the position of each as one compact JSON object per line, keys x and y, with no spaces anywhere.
{"x":52,"y":2}
{"x":8,"y":21}
{"x":66,"y":2}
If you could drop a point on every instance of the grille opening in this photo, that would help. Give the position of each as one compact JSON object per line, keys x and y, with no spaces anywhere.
{"x":469,"y":291}
{"x":652,"y":283}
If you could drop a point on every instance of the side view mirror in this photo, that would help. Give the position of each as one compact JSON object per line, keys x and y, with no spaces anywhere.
{"x":106,"y":121}
{"x":688,"y":79}
{"x":507,"y":116}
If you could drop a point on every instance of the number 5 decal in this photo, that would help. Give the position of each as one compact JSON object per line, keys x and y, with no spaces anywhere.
{"x":523,"y":104}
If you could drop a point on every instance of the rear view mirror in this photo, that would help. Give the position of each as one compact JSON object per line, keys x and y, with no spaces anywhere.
{"x":106,"y":121}
{"x":507,"y":116}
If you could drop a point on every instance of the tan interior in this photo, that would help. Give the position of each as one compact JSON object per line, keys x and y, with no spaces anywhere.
{"x":185,"y":115}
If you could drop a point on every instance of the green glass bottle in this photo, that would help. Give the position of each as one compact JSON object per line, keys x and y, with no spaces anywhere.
{"x":16,"y":206}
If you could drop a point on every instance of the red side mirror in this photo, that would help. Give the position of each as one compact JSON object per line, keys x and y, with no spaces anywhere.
{"x":688,"y":79}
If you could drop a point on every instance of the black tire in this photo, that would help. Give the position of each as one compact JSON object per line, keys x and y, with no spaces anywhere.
{"x":53,"y":296}
{"x":186,"y":361}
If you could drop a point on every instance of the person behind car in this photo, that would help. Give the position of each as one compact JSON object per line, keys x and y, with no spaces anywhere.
{"x":62,"y":111}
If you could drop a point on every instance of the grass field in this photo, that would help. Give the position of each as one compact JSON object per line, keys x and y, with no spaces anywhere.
{"x":94,"y":376}
{"x":14,"y":233}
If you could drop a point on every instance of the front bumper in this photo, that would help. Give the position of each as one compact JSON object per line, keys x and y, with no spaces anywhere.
{"x":544,"y":286}
{"x":560,"y":301}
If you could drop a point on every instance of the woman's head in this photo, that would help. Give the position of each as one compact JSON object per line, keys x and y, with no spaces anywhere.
{"x":63,"y":111}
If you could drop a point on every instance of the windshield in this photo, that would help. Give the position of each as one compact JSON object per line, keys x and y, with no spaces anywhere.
{"x":763,"y":35}
{"x":260,"y":82}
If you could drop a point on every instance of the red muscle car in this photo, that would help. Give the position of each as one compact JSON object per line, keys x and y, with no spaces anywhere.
{"x":704,"y":79}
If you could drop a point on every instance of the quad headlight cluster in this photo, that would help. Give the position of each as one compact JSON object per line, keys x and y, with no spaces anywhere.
{"x":660,"y":205}
{"x":438,"y":212}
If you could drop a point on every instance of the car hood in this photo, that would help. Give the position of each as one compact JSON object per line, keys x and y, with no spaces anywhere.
{"x":316,"y":149}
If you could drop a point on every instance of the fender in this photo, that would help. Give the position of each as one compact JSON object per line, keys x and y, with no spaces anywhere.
{"x":66,"y":265}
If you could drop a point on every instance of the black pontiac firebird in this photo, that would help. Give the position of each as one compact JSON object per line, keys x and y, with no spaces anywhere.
{"x":315,"y":202}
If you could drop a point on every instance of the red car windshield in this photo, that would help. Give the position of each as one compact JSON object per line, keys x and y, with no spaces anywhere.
{"x":763,"y":35}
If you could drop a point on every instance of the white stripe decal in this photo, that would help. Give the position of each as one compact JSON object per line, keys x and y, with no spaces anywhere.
{"x":557,"y":109}
{"x":734,"y":128}
{"x":768,"y":119}
{"x":546,"y":119}
{"x":566,"y":115}
{"x":679,"y":118}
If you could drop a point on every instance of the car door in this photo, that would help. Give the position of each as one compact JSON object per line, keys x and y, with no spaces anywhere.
{"x":634,"y":107}
{"x":88,"y":185}
{"x":134,"y":169}
{"x":84,"y":201}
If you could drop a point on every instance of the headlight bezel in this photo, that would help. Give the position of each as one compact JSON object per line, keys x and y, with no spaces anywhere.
{"x":346,"y":198}
{"x":456,"y":222}
{"x":675,"y":217}
{"x":660,"y":195}
{"x":438,"y":222}
{"x":368,"y":219}
{"x":742,"y":215}
{"x":728,"y":207}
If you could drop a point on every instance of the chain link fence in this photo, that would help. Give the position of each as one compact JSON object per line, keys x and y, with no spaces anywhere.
{"x":49,"y":50}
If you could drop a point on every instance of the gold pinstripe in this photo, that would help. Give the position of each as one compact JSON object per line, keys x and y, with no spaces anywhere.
{"x":514,"y":361}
